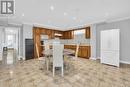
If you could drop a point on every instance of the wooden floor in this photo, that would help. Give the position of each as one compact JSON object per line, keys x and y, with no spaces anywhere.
{"x":78,"y":73}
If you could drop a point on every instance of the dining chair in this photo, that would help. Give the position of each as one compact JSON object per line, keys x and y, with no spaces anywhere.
{"x":47,"y":55}
{"x":58,"y":57}
{"x":76,"y":52}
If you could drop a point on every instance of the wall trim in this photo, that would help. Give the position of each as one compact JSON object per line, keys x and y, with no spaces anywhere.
{"x":121,"y":61}
{"x":118,"y":19}
{"x":92,"y":58}
{"x":98,"y":57}
{"x":125,"y":62}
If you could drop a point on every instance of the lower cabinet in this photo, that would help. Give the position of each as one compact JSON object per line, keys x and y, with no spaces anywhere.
{"x":84,"y":51}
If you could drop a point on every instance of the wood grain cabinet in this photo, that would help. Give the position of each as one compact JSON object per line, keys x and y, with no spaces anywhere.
{"x":88,"y":33}
{"x":52,"y":35}
{"x":84,"y":51}
{"x":59,"y":32}
{"x":68,"y":34}
{"x":36,"y":39}
{"x":37,"y":32}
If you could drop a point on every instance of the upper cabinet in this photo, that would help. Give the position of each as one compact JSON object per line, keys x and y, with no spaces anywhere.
{"x":87,"y":32}
{"x":68,"y":34}
{"x":58,"y":33}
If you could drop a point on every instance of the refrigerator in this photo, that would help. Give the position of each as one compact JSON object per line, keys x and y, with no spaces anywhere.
{"x":110,"y":47}
{"x":29,"y":49}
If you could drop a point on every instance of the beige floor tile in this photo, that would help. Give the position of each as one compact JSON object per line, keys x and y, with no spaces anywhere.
{"x":81,"y":73}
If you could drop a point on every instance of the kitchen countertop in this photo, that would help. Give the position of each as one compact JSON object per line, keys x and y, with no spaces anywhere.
{"x":79,"y":44}
{"x":76,"y":44}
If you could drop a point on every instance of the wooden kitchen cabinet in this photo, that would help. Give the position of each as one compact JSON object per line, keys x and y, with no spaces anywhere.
{"x":52,"y":35}
{"x":37,"y":41}
{"x":80,"y":52}
{"x":68,"y":34}
{"x":88,"y":33}
{"x":37,"y":32}
{"x":84,"y":51}
{"x":72,"y":47}
{"x":59,"y":32}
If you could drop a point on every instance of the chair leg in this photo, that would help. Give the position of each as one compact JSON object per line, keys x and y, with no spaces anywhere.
{"x":62,"y":71}
{"x":47,"y":65}
{"x":53,"y":71}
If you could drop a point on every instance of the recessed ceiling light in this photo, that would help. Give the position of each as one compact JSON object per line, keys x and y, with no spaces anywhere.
{"x":106,"y":14}
{"x":74,"y":18}
{"x":65,"y":13}
{"x":23,"y":14}
{"x":52,"y":7}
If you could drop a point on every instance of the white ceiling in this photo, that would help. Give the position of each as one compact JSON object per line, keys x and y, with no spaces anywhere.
{"x":65,"y":14}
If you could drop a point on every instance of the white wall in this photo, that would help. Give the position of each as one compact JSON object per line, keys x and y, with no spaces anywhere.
{"x":124,"y":27}
{"x":1,"y":41}
{"x":27,"y":34}
{"x":93,"y":41}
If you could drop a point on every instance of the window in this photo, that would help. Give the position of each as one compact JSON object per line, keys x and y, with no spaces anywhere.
{"x":79,"y":32}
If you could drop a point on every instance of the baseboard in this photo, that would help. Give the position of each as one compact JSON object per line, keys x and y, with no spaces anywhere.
{"x":21,"y":57}
{"x":98,"y":58}
{"x":92,"y":58}
{"x":124,"y":62}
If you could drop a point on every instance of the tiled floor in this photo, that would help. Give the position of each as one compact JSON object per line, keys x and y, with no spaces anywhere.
{"x":80,"y":73}
{"x":9,"y":57}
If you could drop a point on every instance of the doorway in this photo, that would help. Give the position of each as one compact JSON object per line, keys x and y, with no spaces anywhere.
{"x":11,"y":42}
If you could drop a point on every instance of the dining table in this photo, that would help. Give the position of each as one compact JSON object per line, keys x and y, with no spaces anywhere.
{"x":65,"y":51}
{"x":49,"y":57}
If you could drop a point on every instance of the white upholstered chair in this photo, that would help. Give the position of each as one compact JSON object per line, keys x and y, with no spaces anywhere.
{"x":58,"y":57}
{"x":76,"y":52}
{"x":47,"y":55}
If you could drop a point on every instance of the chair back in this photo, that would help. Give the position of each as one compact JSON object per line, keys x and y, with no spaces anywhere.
{"x":58,"y":55}
{"x":46,"y":50}
{"x":77,"y":50}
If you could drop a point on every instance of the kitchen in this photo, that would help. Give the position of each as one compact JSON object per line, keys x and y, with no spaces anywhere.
{"x":70,"y":39}
{"x":65,"y":43}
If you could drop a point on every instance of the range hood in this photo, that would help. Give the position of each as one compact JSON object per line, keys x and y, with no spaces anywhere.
{"x":57,"y":34}
{"x":44,"y":37}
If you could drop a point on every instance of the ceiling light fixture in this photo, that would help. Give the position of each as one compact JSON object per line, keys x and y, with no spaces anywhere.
{"x":74,"y":18}
{"x":52,"y":8}
{"x":65,"y":13}
{"x":23,"y":14}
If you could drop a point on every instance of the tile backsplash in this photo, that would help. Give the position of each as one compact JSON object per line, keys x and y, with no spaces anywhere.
{"x":78,"y":39}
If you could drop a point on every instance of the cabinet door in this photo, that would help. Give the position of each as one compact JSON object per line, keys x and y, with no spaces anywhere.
{"x":88,"y":52}
{"x":37,"y":31}
{"x":84,"y":52}
{"x":80,"y":52}
{"x":37,"y":39}
{"x":88,"y":33}
{"x":48,"y":32}
{"x":42,"y":31}
{"x":52,"y":36}
{"x":68,"y":35}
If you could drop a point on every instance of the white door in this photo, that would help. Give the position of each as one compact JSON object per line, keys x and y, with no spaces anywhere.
{"x":110,"y":47}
